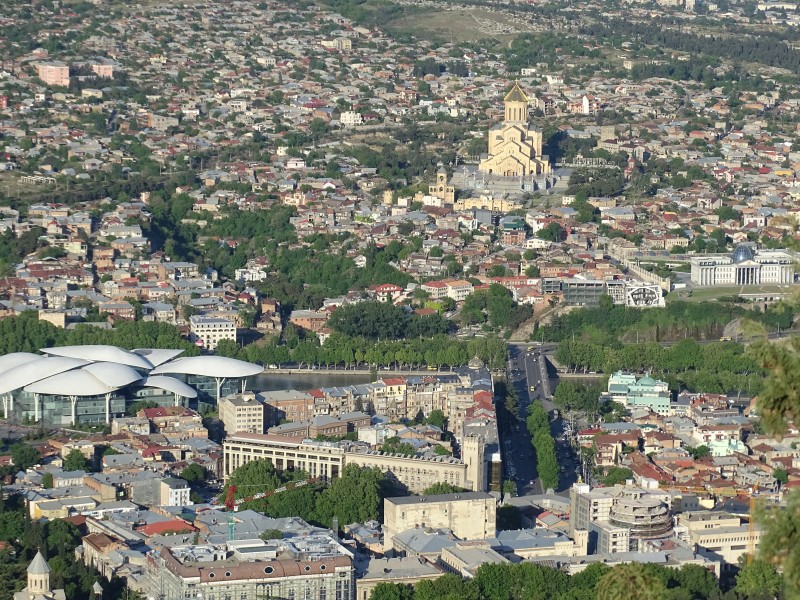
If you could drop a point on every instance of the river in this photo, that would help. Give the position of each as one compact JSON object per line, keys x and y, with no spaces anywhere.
{"x":304,"y":381}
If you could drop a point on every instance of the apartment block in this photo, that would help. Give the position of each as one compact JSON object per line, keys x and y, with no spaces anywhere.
{"x":242,"y":412}
{"x":208,"y":331}
{"x":53,"y":73}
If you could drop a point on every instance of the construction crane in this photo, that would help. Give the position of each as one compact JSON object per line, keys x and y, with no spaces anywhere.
{"x":232,"y":503}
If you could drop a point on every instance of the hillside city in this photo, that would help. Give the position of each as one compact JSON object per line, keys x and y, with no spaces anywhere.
{"x":399,"y":300}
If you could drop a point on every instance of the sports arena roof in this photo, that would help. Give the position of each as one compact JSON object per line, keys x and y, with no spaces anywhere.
{"x":97,"y":370}
{"x":212,"y":366}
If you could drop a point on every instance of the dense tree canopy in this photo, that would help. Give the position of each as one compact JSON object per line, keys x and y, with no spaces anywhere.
{"x":356,"y":496}
{"x":538,"y":423}
{"x":381,"y":320}
{"x":75,"y":461}
{"x":532,"y":581}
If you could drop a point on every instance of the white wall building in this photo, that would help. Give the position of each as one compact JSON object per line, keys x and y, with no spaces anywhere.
{"x":210,"y":331}
{"x":745,"y":266}
{"x":351,"y":118}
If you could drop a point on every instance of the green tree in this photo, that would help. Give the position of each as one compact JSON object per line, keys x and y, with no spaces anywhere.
{"x":552,"y":233}
{"x":75,"y":461}
{"x":271,"y":534}
{"x":134,"y":408}
{"x":437,"y":418}
{"x":781,"y":476}
{"x":441,"y":487}
{"x":699,"y":452}
{"x":62,"y":536}
{"x":697,"y":581}
{"x":617,"y":475}
{"x":391,"y":591}
{"x":509,"y":518}
{"x":47,"y":481}
{"x":630,"y":581}
{"x":194,"y":474}
{"x":757,"y":578}
{"x":24,"y":456}
{"x":356,"y":496}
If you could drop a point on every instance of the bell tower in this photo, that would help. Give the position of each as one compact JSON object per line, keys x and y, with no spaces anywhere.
{"x":516,"y":105}
{"x":39,"y":576}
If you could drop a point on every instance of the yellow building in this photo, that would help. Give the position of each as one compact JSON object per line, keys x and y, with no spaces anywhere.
{"x":441,"y":189}
{"x":515,"y":148}
{"x":487,"y":202}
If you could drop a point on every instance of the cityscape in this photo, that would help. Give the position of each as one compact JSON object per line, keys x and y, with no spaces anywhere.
{"x":399,"y":300}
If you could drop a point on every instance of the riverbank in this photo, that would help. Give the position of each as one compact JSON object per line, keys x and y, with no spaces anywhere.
{"x":381,"y":371}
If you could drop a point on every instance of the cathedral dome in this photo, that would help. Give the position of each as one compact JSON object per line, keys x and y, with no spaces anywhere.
{"x":743,"y":253}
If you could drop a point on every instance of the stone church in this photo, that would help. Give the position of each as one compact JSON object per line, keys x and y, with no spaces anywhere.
{"x":39,"y":582}
{"x":515,"y":147}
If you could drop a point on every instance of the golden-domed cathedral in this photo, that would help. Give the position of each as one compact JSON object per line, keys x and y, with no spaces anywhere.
{"x":515,"y":147}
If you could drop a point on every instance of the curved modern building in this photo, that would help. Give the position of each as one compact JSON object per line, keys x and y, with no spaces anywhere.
{"x":91,"y":384}
{"x":645,"y":517}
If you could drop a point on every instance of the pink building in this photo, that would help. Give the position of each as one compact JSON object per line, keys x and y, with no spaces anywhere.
{"x":103,"y":70}
{"x":54,"y":73}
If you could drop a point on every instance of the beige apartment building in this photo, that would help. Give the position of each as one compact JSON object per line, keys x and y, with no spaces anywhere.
{"x":326,"y":460}
{"x":469,"y":515}
{"x":719,"y":535}
{"x":242,"y":412}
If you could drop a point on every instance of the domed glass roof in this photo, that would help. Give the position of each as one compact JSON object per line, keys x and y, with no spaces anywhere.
{"x":742,"y":253}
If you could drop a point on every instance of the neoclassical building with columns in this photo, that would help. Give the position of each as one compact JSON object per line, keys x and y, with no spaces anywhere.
{"x":515,"y":147}
{"x":745,"y":266}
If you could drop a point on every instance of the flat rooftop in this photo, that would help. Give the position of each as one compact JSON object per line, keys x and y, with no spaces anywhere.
{"x":405,"y":500}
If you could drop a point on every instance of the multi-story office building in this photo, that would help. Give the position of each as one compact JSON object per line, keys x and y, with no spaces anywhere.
{"x":326,"y":460}
{"x":300,"y":568}
{"x":720,"y":536}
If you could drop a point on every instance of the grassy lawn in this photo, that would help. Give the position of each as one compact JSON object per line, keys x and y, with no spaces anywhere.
{"x":712,"y":293}
{"x":459,"y":26}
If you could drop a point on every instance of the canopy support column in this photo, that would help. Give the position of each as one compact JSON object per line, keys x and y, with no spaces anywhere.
{"x":36,"y":408}
{"x":220,"y":382}
{"x":108,"y":409}
{"x":74,"y":401}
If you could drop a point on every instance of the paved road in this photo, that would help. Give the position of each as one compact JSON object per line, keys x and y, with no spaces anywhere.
{"x":527,"y":369}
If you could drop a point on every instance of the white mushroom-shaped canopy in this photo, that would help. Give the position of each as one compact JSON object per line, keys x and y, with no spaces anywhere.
{"x":170,"y":384}
{"x":36,"y":370}
{"x":211,"y":366}
{"x":102,"y":353}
